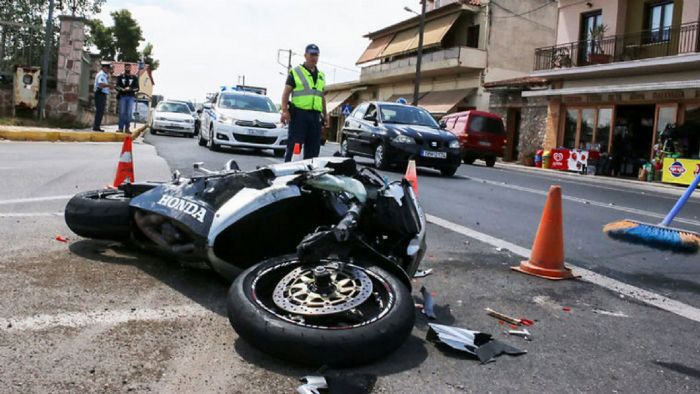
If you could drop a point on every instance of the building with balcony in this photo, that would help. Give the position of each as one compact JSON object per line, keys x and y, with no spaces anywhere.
{"x":466,"y":43}
{"x":621,"y":71}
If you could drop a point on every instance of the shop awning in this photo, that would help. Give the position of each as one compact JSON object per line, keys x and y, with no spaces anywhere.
{"x":630,"y":88}
{"x":444,"y":101}
{"x":336,"y":99}
{"x":375,"y":49}
{"x":407,"y":40}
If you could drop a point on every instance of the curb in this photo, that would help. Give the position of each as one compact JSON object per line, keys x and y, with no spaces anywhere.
{"x":674,"y":190}
{"x":66,"y":136}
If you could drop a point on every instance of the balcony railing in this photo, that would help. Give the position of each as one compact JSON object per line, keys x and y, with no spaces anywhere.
{"x":612,"y":49}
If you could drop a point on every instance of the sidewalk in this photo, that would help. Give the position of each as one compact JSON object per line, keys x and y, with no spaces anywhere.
{"x":674,"y":190}
{"x":31,"y":133}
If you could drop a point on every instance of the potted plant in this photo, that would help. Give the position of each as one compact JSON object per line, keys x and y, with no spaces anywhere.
{"x":597,"y":55}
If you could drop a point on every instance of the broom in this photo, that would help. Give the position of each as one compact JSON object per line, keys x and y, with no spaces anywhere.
{"x":659,"y":236}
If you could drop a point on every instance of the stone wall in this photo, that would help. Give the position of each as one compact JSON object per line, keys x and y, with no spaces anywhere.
{"x":69,"y":69}
{"x":533,"y":118}
{"x":6,"y":99}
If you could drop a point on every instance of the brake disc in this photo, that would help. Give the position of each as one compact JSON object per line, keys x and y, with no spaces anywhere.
{"x":296,"y":293}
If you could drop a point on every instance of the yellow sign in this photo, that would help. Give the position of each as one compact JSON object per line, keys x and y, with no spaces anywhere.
{"x":680,"y":171}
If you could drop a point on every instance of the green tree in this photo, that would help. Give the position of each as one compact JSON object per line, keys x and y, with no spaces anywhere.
{"x":101,"y":36}
{"x":127,"y":36}
{"x":147,"y":55}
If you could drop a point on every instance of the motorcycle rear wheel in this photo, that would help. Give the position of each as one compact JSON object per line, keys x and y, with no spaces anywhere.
{"x":371,"y":323}
{"x":99,"y":214}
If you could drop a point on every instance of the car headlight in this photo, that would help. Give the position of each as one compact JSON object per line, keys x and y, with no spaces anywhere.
{"x":403,"y":139}
{"x":160,"y":118}
{"x":454,"y":144}
{"x":189,"y":120}
{"x":225,"y":119}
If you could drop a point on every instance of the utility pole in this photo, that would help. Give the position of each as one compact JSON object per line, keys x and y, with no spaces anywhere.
{"x":416,"y":87}
{"x":45,"y":61}
{"x":241,"y":78}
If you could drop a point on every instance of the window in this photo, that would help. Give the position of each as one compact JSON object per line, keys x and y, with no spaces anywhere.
{"x":461,"y":124}
{"x":588,"y":128}
{"x":659,"y":20}
{"x":587,"y":125}
{"x":371,"y":112}
{"x":589,"y":21}
{"x":404,"y":114}
{"x":246,"y":102}
{"x":602,"y":133}
{"x":473,"y":36}
{"x":570,"y":127}
{"x":360,"y":111}
{"x":486,"y":125}
{"x":451,"y":123}
{"x":177,"y":108}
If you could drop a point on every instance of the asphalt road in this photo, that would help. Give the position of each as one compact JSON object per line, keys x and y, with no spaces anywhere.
{"x":91,"y":316}
{"x":507,"y":204}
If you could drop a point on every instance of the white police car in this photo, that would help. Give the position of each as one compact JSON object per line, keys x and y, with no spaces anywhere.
{"x":242,"y":119}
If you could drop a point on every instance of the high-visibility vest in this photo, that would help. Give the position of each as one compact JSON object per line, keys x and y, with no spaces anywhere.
{"x":307,"y":95}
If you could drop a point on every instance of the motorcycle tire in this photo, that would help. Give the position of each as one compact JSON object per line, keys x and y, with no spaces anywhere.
{"x":99,"y":214}
{"x":257,"y":320}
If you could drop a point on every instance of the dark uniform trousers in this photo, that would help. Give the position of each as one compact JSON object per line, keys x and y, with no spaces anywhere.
{"x":100,"y":104}
{"x":305,"y":129}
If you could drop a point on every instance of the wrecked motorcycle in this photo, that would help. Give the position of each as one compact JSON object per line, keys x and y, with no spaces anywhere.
{"x":322,"y":253}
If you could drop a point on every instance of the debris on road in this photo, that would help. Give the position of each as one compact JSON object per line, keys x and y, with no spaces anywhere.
{"x":509,"y":319}
{"x":566,"y":309}
{"x":423,"y":273}
{"x":524,"y":333}
{"x":609,"y":313}
{"x":479,"y":344}
{"x":61,"y":238}
{"x":428,"y":303}
{"x":337,"y":383}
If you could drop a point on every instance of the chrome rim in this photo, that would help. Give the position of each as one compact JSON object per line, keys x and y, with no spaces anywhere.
{"x":379,"y":156}
{"x":344,"y":148}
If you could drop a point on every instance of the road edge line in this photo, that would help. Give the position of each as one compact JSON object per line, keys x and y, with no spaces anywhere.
{"x":645,"y":296}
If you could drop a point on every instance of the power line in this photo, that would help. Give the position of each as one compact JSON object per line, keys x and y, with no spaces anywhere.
{"x":331,"y":64}
{"x":520,"y":14}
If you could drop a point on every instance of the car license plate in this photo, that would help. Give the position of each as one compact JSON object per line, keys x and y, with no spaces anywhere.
{"x":174,"y":126}
{"x":433,"y":154}
{"x":256,"y":132}
{"x":484,"y":143}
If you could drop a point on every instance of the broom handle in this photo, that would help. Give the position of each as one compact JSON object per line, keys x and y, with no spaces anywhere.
{"x":681,"y":201}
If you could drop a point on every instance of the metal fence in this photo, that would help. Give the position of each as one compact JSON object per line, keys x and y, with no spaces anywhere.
{"x":634,"y":46}
{"x":23,"y":44}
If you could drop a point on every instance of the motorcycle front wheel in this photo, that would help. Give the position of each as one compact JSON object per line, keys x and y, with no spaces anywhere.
{"x":330,"y":313}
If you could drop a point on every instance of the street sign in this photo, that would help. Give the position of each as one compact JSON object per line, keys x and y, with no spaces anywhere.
{"x":346,"y":109}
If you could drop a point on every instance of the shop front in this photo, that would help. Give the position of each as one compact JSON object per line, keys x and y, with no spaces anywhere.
{"x":630,"y":134}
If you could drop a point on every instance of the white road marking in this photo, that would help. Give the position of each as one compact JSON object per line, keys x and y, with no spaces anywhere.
{"x":30,"y":214}
{"x":588,"y":202}
{"x":108,"y":318}
{"x":34,"y":199}
{"x":648,"y":297}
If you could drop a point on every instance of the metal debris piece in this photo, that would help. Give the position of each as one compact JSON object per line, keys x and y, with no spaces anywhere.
{"x":312,"y":385}
{"x":609,"y":313}
{"x":428,"y":303}
{"x":423,"y":273}
{"x":479,"y":344}
{"x":521,"y":333}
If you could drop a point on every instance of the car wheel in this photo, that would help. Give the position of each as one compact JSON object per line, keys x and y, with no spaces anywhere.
{"x":201,"y":141}
{"x":154,"y":131}
{"x":380,"y":160}
{"x":344,"y":148}
{"x":448,"y":171}
{"x":469,"y":159}
{"x":213,"y":146}
{"x":490,"y":161}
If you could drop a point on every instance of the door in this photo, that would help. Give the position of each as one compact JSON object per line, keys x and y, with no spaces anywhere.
{"x":352,"y":127}
{"x":513,"y":134}
{"x":366,"y":134}
{"x":589,"y":21}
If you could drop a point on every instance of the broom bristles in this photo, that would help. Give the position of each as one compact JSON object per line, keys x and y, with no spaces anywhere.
{"x":658,"y":237}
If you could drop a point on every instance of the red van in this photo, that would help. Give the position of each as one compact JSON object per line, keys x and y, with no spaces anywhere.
{"x":481,"y":135}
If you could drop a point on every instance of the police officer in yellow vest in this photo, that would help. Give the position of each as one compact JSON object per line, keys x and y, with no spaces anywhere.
{"x":306,"y":111}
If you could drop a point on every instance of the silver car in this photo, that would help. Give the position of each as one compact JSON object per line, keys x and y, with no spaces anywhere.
{"x":173,"y":117}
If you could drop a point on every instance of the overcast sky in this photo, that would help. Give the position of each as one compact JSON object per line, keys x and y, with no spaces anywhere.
{"x":203,"y":44}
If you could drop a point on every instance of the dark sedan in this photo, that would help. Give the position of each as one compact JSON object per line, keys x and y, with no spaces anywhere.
{"x":392,"y":134}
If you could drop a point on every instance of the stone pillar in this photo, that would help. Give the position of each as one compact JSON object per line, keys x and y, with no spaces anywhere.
{"x":553,"y":121}
{"x":69,"y":68}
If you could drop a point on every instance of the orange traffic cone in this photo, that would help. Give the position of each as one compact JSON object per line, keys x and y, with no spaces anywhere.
{"x":297,"y":153}
{"x":125,"y":168}
{"x":411,"y":175}
{"x":547,"y":256}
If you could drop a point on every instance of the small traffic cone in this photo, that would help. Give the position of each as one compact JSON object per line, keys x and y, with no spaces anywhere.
{"x":411,"y":175}
{"x":297,"y":153}
{"x":125,"y":168}
{"x":547,"y":255}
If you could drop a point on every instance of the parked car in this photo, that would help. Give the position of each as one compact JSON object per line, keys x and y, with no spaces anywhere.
{"x":195,"y":114}
{"x":174,"y":117}
{"x":481,"y":135}
{"x":394,"y":133}
{"x":243,"y":119}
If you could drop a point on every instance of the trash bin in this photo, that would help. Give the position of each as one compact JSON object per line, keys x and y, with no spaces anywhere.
{"x":538,"y":158}
{"x":547,"y":159}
